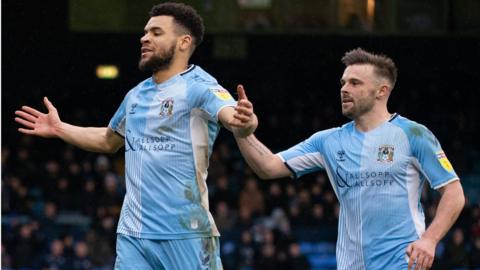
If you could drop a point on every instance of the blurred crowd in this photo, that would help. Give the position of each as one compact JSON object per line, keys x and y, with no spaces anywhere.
{"x":60,"y":205}
{"x":60,"y":210}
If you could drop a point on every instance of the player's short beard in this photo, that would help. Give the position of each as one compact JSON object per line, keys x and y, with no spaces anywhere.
{"x":361,"y":108}
{"x":157,"y":62}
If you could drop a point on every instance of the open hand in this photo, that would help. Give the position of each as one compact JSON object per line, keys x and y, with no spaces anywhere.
{"x":38,"y":123}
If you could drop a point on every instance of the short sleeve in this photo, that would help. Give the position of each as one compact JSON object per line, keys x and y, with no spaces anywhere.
{"x":117,"y":123}
{"x":210,"y":98}
{"x":307,"y":156}
{"x":432,"y":160}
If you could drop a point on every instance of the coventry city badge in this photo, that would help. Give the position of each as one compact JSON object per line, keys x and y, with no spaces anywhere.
{"x":385,"y":153}
{"x":166,"y":107}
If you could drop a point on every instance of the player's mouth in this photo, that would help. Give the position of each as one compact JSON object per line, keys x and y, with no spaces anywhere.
{"x":346,"y":101}
{"x":145,"y":51}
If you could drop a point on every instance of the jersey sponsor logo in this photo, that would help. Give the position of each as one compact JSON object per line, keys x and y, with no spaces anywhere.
{"x":363,"y":179}
{"x":151,"y":144}
{"x":385,"y":153}
{"x":166,"y":107}
{"x":221,"y":94}
{"x":442,"y":158}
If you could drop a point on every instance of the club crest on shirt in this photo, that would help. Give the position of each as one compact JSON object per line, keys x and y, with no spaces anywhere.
{"x":442,"y":158}
{"x":385,"y":153}
{"x":221,"y":93}
{"x":166,"y":107}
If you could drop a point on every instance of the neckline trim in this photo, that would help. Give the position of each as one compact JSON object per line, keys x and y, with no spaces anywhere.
{"x":393,"y":117}
{"x":189,"y":68}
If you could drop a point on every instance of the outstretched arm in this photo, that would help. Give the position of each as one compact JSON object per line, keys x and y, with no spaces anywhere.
{"x":262,"y":161}
{"x":49,"y":125}
{"x":242,"y":122}
{"x":448,"y":210}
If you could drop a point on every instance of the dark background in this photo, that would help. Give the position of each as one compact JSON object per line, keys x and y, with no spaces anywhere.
{"x":292,"y":77}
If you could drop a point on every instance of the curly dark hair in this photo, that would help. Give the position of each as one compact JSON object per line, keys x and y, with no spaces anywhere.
{"x":184,"y":15}
{"x":384,"y":65}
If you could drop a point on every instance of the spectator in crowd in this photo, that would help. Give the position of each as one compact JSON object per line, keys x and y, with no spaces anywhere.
{"x":246,"y":251}
{"x":221,"y":192}
{"x":296,"y":260}
{"x":56,"y":258}
{"x":109,"y":204}
{"x":17,"y":195}
{"x":25,"y":247}
{"x":25,"y":167}
{"x":89,"y":198}
{"x":317,"y":193}
{"x":49,"y":227}
{"x":474,"y":253}
{"x":224,"y":217}
{"x":62,"y":194}
{"x":275,"y":198}
{"x":52,"y":171}
{"x":245,"y":220}
{"x":304,"y":203}
{"x":317,"y":216}
{"x":295,"y":215}
{"x":455,"y":251}
{"x":102,"y":253}
{"x":6,"y":258}
{"x":217,"y":167}
{"x":81,"y":259}
{"x":68,"y":245}
{"x":266,"y":259}
{"x":251,"y":198}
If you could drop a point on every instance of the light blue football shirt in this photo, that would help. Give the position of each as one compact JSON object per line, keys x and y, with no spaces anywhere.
{"x":378,"y":178}
{"x":169,"y":130}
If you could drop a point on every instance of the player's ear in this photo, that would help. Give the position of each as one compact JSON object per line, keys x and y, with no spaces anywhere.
{"x":383,"y":91}
{"x":185,"y":42}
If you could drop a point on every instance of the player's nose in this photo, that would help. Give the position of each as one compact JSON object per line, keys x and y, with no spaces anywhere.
{"x":144,"y":39}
